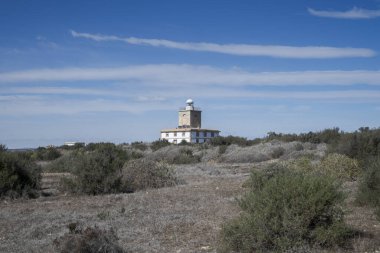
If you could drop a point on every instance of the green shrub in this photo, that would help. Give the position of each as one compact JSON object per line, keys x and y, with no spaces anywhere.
{"x":284,"y":210}
{"x":277,"y":152}
{"x":298,"y":147}
{"x":46,"y":154}
{"x":228,"y":140}
{"x":369,"y":187}
{"x":97,"y":172}
{"x":142,"y":174}
{"x":3,"y":148}
{"x":91,"y":239}
{"x":184,"y":143}
{"x":156,"y":145}
{"x":222,"y":149}
{"x":185,"y":156}
{"x":19,"y":175}
{"x":104,"y":171}
{"x":65,"y":163}
{"x":139,"y":145}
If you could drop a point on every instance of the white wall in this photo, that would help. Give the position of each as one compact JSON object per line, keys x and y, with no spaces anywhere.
{"x":170,"y":136}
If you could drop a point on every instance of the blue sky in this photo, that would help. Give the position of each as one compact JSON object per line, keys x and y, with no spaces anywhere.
{"x":118,"y":70}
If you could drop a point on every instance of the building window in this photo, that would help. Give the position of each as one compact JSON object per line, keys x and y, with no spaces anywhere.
{"x":183,"y":134}
{"x":167,"y":134}
{"x":175,"y":134}
{"x":197,"y":140}
{"x":205,"y":134}
{"x":212,"y":134}
{"x":197,"y":134}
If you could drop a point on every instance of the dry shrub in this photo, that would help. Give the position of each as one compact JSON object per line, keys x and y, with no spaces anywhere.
{"x":269,"y":150}
{"x":175,"y":154}
{"x":340,"y":166}
{"x":88,"y":240}
{"x":335,"y":165}
{"x":142,"y":174}
{"x":236,"y":154}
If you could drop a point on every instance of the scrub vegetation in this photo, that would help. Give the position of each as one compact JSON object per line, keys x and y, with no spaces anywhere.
{"x":286,"y":210}
{"x":311,"y":192}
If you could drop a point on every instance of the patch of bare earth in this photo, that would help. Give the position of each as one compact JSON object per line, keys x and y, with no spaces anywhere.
{"x":184,"y":218}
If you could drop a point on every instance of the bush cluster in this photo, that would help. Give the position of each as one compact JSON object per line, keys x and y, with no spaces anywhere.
{"x":156,"y":145}
{"x":229,"y":140}
{"x":359,"y":144}
{"x":185,"y":156}
{"x":333,"y":165}
{"x":340,"y":166}
{"x":98,"y":171}
{"x":139,"y":145}
{"x":46,"y":154}
{"x":286,"y":210}
{"x":277,"y":152}
{"x":142,"y":174}
{"x":369,"y":187}
{"x":19,"y":175}
{"x":108,"y":169}
{"x":65,"y":163}
{"x":91,"y":239}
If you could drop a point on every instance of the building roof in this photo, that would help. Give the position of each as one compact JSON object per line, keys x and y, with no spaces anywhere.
{"x":188,"y":130}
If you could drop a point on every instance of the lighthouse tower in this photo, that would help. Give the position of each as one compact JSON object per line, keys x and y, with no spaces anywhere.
{"x":189,"y":127}
{"x":189,"y":116}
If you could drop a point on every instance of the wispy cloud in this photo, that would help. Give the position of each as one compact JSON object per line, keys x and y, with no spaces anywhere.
{"x":280,"y":51}
{"x":354,"y":13}
{"x":35,"y":105}
{"x":24,"y":105}
{"x":166,"y":75}
{"x":158,"y":95}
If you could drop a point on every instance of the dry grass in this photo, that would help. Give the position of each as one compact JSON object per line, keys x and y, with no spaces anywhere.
{"x":184,"y":218}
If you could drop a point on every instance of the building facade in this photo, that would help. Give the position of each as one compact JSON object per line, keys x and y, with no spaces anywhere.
{"x":189,"y":127}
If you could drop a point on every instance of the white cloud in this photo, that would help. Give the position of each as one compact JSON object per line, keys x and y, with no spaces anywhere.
{"x":354,"y":13}
{"x":16,"y":105}
{"x":167,"y":75}
{"x":349,"y":95}
{"x":280,"y":51}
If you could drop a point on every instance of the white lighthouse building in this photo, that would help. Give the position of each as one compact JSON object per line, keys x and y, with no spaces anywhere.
{"x":189,"y":127}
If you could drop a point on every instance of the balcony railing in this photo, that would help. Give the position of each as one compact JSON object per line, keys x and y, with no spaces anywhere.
{"x":194,"y":108}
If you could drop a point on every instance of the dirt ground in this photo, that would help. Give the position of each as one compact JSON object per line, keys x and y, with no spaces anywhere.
{"x":185,"y":218}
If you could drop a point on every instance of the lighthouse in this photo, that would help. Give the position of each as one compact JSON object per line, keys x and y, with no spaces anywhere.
{"x":189,"y":127}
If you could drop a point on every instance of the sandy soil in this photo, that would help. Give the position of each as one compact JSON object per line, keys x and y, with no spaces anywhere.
{"x":185,"y":218}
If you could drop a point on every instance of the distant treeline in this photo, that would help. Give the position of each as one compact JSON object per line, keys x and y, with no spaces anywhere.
{"x":359,"y":144}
